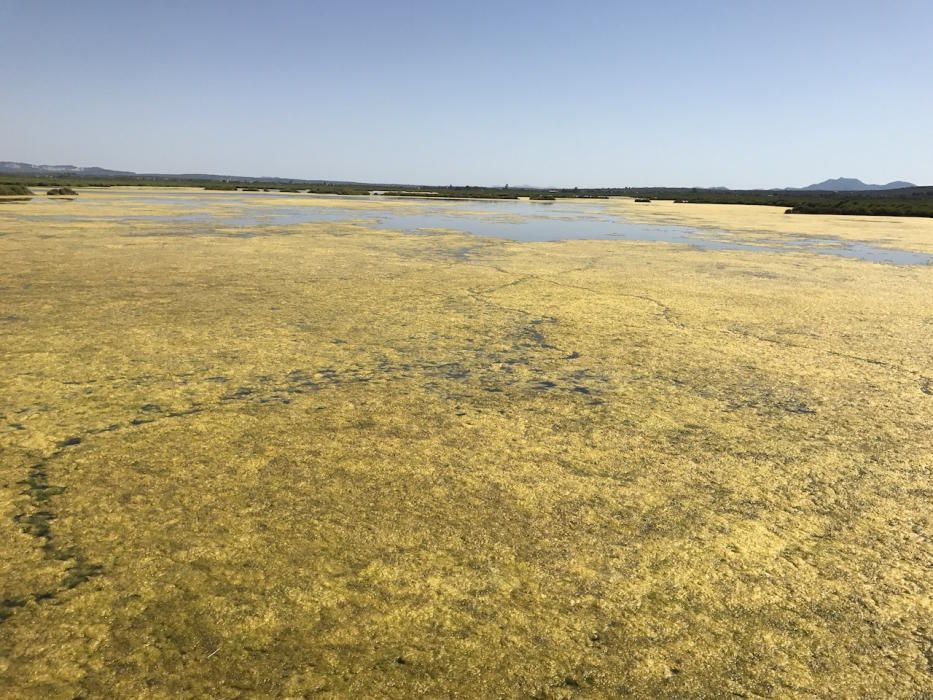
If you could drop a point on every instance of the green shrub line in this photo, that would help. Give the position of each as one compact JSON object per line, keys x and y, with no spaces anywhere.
{"x":911,"y":201}
{"x":13,"y":189}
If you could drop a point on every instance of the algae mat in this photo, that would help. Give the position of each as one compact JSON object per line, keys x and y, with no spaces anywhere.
{"x":337,"y":462}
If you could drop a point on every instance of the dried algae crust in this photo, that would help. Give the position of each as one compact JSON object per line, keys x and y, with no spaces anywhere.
{"x":354,"y":463}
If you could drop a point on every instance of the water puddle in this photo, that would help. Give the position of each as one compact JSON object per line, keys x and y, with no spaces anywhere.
{"x":524,"y":221}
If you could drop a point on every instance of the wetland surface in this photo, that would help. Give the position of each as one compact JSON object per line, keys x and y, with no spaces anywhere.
{"x":527,"y":221}
{"x":279,"y":446}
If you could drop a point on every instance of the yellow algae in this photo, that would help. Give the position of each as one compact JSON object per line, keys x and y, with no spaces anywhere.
{"x":331,"y":460}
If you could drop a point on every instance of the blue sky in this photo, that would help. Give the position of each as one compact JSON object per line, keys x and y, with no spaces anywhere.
{"x":743,"y":94}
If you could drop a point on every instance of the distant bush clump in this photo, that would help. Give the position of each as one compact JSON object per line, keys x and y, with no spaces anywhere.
{"x":907,"y":201}
{"x":61,"y":192}
{"x":14,"y":190}
{"x":643,"y":200}
{"x":866,"y":207}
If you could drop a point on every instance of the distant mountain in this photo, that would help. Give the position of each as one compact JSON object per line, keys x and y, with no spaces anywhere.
{"x":841,"y":184}
{"x":11,"y":168}
{"x":849,"y":184}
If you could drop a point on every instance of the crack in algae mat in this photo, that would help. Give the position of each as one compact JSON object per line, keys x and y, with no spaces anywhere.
{"x":332,"y":461}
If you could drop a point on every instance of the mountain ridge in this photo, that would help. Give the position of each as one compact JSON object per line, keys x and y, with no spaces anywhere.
{"x":839,"y":184}
{"x":16,"y":168}
{"x":851,"y":184}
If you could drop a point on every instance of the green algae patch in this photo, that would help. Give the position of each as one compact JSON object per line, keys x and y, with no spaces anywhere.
{"x":353,"y":463}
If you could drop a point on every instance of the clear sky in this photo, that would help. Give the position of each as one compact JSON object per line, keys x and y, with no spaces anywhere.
{"x":744,"y":93}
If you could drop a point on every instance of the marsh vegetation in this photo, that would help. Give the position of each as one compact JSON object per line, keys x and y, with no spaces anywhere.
{"x":907,"y":202}
{"x":14,"y":189}
{"x":328,"y":459}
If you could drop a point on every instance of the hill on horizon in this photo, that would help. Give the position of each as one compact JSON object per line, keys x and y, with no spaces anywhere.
{"x":849,"y":184}
{"x":840,"y":184}
{"x":15,"y":168}
{"x":29,"y":169}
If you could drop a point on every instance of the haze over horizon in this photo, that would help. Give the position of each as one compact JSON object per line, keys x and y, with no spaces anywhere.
{"x":594,"y":94}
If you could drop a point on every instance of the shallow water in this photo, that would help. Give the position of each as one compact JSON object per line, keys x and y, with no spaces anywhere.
{"x":515,"y":220}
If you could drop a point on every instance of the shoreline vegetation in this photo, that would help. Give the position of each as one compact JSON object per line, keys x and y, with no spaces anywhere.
{"x":14,"y":190}
{"x":909,"y":201}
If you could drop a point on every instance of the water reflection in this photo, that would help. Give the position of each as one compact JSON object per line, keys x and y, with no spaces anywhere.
{"x":525,"y":221}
